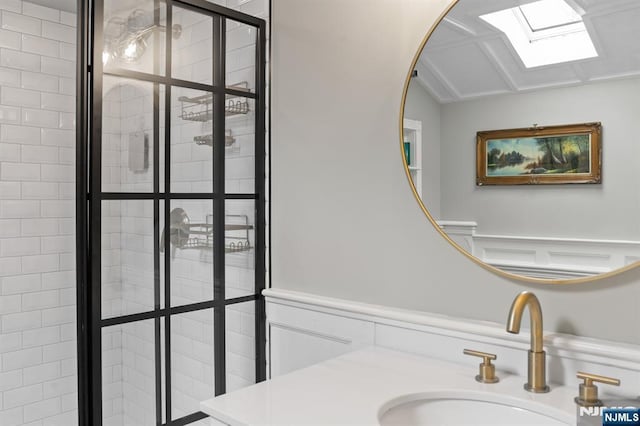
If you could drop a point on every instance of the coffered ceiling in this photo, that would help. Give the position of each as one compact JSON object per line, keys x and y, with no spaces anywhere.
{"x":467,"y":58}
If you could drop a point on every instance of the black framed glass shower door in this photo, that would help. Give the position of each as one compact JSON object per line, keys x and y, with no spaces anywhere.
{"x":171,"y":228}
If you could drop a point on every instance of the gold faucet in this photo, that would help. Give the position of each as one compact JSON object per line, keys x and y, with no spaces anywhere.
{"x":537,"y":381}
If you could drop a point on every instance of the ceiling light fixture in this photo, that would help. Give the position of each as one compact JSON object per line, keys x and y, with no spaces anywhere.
{"x":544,"y":32}
{"x":126,"y":39}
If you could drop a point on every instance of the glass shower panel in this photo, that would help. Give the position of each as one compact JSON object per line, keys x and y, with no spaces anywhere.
{"x":191,"y":140}
{"x":240,"y":151}
{"x":155,"y":188}
{"x":240,"y":268}
{"x":127,"y":257}
{"x":191,"y":251}
{"x":192,"y":361}
{"x":240,"y":55}
{"x":192,"y":52}
{"x":127,"y":135}
{"x":134,"y":36}
{"x":240,"y":333}
{"x":128,"y":374}
{"x":240,"y":78}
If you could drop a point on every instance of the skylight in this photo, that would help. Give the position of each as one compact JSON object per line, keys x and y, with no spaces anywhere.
{"x":544,"y":32}
{"x":545,"y":14}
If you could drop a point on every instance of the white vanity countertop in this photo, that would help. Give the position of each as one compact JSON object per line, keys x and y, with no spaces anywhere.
{"x":353,"y":388}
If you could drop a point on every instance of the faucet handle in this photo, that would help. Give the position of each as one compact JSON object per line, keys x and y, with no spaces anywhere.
{"x":487,"y":371}
{"x":588,"y":392}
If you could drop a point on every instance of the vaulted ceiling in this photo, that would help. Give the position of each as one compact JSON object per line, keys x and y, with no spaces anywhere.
{"x":466,"y":58}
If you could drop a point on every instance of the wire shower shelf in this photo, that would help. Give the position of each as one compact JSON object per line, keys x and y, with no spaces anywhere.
{"x":200,"y":108}
{"x":185,"y":235}
{"x":229,"y":140}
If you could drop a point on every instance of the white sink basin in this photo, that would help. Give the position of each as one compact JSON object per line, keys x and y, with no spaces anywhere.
{"x":470,"y":408}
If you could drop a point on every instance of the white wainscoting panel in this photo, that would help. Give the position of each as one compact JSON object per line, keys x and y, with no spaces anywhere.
{"x":304,"y":329}
{"x":299,"y":337}
{"x":460,"y":232}
{"x":543,"y":257}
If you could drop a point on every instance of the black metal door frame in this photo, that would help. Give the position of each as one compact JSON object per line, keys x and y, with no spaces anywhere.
{"x":90,"y":196}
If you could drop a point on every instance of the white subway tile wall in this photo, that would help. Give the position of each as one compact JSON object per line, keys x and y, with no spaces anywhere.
{"x":37,"y":283}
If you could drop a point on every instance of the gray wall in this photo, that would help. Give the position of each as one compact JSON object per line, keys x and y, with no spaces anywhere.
{"x":606,"y":211}
{"x":423,"y":107}
{"x":344,"y":223}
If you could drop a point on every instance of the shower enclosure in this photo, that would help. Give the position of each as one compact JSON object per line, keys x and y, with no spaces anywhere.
{"x":171,"y":208}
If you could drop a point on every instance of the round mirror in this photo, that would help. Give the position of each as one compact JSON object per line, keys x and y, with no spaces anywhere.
{"x":519,"y":135}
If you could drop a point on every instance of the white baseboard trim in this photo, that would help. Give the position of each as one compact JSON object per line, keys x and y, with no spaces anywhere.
{"x":342,"y":325}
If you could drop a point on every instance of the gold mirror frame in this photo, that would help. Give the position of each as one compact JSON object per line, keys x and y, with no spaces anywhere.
{"x":485,"y":265}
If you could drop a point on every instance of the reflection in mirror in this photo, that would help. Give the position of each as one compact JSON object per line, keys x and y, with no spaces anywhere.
{"x":510,"y":64}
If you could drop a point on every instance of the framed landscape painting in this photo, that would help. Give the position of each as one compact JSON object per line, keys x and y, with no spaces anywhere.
{"x":540,"y":155}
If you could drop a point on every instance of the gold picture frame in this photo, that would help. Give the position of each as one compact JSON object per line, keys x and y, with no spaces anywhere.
{"x":540,"y":155}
